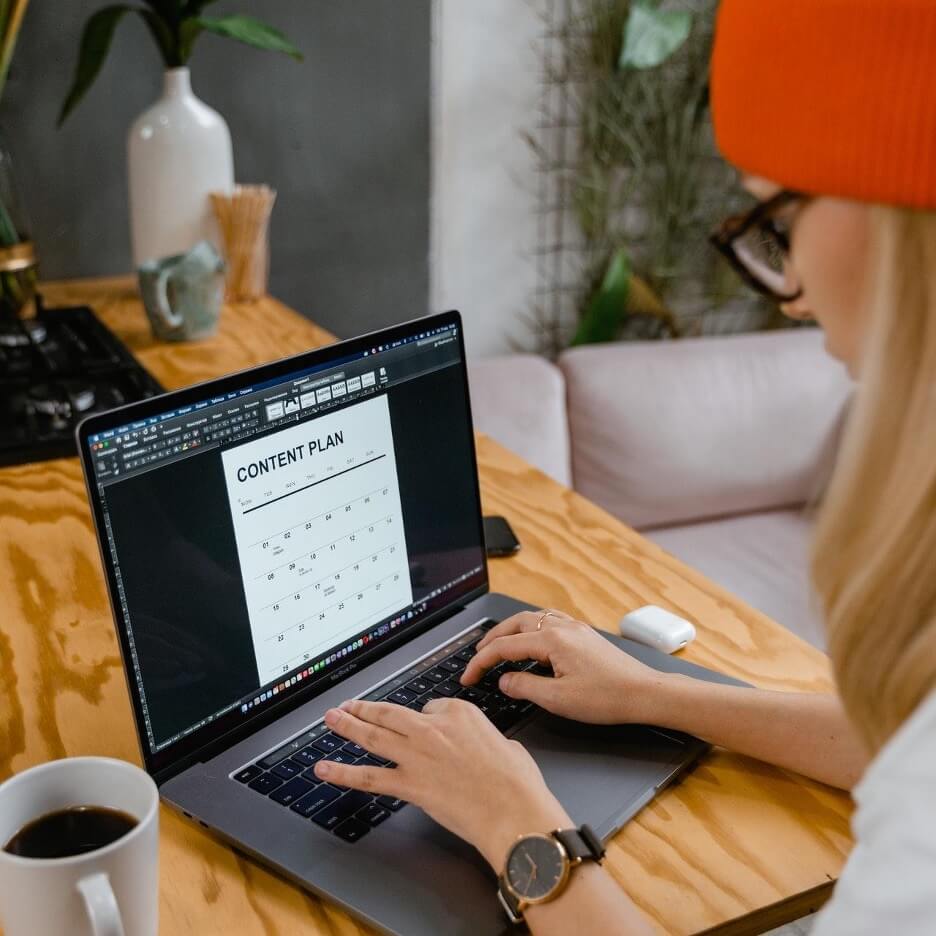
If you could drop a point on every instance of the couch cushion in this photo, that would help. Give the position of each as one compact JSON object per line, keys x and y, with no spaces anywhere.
{"x":668,"y":432}
{"x":762,"y":558}
{"x":519,"y":400}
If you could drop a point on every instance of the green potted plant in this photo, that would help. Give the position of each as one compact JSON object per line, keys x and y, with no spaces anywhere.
{"x":17,"y":256}
{"x":178,"y":150}
{"x":642,"y":181}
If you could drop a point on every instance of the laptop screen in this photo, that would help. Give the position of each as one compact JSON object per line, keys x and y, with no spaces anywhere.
{"x":269,"y":533}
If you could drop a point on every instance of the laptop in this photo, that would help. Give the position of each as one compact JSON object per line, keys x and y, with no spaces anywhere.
{"x":308,"y":531}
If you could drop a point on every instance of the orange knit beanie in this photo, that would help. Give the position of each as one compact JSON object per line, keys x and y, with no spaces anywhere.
{"x":830,"y":97}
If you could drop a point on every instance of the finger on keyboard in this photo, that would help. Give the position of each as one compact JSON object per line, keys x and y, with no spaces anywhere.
{"x":512,"y":625}
{"x":379,"y":780}
{"x":386,"y":715}
{"x":513,"y":648}
{"x":373,"y":738}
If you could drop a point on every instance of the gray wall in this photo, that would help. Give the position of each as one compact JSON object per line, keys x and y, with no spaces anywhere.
{"x":342,"y":136}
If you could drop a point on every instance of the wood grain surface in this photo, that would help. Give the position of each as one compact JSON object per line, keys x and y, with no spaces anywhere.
{"x":733,"y":848}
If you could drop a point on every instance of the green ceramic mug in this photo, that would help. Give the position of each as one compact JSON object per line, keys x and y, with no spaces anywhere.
{"x":182,"y":294}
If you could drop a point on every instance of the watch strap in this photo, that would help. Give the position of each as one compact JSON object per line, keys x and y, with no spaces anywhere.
{"x":580,"y":844}
{"x":507,"y":900}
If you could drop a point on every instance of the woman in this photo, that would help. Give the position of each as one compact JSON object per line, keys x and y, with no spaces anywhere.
{"x":835,"y":101}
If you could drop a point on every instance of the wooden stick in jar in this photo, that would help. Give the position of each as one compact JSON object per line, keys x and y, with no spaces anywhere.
{"x":243,"y":217}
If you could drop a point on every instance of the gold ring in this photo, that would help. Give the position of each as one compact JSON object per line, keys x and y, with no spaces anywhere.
{"x":542,"y":617}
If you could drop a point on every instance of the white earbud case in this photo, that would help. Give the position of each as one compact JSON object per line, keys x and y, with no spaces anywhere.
{"x":657,"y":628}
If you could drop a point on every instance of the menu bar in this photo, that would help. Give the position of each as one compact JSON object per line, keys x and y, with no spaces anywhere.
{"x":229,"y":418}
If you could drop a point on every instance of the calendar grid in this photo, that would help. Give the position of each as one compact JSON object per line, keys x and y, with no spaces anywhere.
{"x":353,"y":566}
{"x":291,"y":564}
{"x":331,"y":526}
{"x":304,"y":523}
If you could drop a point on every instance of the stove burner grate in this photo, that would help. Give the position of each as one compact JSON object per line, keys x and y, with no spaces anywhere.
{"x":54,"y":370}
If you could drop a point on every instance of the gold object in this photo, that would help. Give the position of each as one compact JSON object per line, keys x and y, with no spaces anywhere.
{"x":543,"y":616}
{"x":17,"y":257}
{"x":568,"y":863}
{"x":244,"y":218}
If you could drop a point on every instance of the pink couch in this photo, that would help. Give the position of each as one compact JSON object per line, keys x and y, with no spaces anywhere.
{"x":714,"y":447}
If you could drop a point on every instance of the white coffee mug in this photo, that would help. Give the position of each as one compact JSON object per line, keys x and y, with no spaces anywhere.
{"x":112,"y":891}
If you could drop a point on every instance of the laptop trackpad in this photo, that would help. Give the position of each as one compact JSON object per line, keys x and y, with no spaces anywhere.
{"x":603,"y":774}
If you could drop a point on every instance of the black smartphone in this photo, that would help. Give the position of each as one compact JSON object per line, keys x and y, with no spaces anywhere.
{"x":499,"y":538}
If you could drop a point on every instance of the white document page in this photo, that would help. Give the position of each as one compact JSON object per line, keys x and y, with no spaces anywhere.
{"x":319,"y":530}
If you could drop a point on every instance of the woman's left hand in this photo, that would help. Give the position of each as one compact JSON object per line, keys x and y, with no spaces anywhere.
{"x":453,"y":763}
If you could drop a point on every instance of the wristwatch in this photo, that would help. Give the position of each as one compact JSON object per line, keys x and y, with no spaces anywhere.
{"x":538,"y":867}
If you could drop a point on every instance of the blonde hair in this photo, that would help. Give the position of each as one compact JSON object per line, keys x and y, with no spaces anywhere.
{"x":874,"y":556}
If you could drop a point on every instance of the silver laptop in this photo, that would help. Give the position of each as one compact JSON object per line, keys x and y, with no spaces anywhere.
{"x":291,"y":536}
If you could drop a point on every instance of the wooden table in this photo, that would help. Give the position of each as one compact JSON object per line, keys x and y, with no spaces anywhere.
{"x":736,"y":847}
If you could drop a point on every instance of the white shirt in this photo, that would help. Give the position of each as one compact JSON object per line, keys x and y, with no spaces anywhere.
{"x":889,"y":882}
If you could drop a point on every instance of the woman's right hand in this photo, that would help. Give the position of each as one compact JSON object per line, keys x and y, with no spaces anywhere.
{"x":593,"y":681}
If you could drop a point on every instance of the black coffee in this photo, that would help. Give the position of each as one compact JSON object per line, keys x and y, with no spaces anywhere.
{"x":71,"y":831}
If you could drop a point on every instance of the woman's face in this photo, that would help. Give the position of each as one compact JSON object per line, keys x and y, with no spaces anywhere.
{"x":829,"y":259}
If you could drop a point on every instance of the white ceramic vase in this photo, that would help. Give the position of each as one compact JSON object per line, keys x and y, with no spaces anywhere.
{"x":178,"y":151}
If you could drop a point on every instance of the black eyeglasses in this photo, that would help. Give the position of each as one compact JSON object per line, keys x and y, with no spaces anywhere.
{"x":758,"y":247}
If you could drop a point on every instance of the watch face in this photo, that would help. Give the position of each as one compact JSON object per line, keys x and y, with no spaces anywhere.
{"x":536,"y":865}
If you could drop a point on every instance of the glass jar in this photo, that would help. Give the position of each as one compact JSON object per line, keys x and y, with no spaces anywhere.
{"x":17,"y":254}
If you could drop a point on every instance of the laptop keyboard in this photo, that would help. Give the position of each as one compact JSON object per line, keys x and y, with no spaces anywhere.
{"x":287,"y":774}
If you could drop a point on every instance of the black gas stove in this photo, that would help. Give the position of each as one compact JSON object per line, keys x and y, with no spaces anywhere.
{"x":55,"y":369}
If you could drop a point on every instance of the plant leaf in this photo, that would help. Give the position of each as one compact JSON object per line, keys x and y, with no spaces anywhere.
{"x":189,"y":31}
{"x":8,"y":232}
{"x":651,"y":36}
{"x":13,"y":14}
{"x":162,"y":33}
{"x":95,"y":43}
{"x":251,"y":31}
{"x":608,"y":308}
{"x":167,"y":9}
{"x":194,"y":7}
